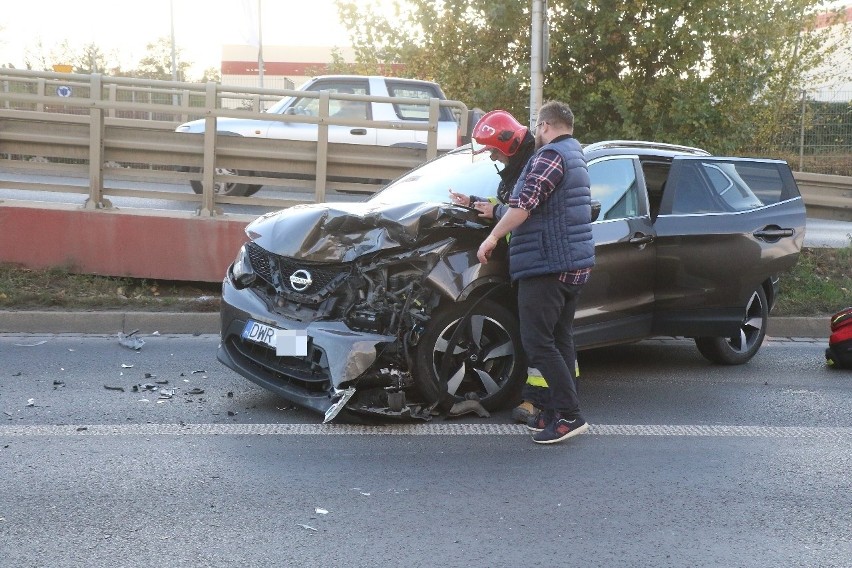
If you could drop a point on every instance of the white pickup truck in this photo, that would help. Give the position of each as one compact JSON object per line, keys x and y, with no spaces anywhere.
{"x":449,"y":135}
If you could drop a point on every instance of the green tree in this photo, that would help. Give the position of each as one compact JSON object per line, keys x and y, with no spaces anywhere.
{"x":713,"y":73}
{"x":211,"y":74}
{"x":91,"y":60}
{"x":157,"y":63}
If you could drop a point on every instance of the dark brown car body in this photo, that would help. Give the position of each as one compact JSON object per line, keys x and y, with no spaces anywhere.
{"x":394,"y":315}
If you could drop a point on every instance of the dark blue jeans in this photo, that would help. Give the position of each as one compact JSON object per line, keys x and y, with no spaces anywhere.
{"x":546,"y":309}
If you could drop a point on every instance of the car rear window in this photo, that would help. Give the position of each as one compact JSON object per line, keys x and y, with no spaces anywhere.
{"x":711,"y":185}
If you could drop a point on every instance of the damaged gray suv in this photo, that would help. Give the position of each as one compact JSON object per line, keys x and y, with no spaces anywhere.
{"x":382,"y":307}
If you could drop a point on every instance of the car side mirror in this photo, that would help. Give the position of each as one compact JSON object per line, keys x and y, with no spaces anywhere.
{"x":596,"y":210}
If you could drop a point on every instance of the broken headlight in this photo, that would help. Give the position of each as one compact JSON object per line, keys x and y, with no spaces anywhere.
{"x":242,"y":273}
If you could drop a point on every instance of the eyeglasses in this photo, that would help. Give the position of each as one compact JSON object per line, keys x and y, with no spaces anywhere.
{"x":537,"y":124}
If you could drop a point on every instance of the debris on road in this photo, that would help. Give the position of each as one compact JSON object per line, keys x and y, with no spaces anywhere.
{"x":308,"y":527}
{"x":36,"y":344}
{"x":128,"y":340}
{"x":114,"y":388}
{"x":468,"y":407}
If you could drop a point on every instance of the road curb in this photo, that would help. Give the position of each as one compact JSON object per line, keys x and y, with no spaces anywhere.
{"x":203,"y":323}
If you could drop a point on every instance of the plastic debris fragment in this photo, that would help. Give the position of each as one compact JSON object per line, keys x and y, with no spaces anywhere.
{"x":167,"y":393}
{"x":36,"y":344}
{"x":127,"y":340}
{"x":308,"y":527}
{"x":468,"y":407}
{"x":113,"y":388}
{"x":334,"y":409}
{"x":320,"y":511}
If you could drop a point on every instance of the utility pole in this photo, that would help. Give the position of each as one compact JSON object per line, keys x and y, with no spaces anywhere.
{"x":174,"y":53}
{"x":538,"y":61}
{"x":259,"y":47}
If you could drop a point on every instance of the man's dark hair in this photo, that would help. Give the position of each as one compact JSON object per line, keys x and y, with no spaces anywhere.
{"x":557,"y":114}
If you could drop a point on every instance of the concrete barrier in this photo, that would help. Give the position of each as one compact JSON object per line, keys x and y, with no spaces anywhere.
{"x":156,"y":245}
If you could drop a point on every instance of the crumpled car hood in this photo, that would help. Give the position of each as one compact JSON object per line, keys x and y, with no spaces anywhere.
{"x":342,"y":232}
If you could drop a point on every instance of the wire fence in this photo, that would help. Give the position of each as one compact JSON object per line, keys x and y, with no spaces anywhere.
{"x":815,"y":134}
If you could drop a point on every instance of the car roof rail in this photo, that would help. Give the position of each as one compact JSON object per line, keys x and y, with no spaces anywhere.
{"x":645,"y":144}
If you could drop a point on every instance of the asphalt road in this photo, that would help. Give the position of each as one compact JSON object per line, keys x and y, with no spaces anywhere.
{"x":686,"y":464}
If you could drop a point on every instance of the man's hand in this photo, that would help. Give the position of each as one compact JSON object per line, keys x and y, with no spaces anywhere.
{"x":485,"y":249}
{"x":459,"y":198}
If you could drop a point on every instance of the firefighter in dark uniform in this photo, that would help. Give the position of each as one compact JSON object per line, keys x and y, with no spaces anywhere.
{"x":510,"y":143}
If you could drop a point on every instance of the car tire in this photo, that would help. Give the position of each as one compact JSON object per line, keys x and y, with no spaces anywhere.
{"x":225,"y":188}
{"x":739,"y":348}
{"x":486,"y":361}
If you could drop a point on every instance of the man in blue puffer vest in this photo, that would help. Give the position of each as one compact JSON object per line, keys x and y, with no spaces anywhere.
{"x":551,"y":254}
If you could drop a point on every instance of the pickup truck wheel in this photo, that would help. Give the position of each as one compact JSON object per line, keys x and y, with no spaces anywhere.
{"x":226,"y":188}
{"x":742,"y":346}
{"x":484,"y":362}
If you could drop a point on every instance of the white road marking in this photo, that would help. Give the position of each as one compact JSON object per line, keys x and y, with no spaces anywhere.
{"x":844,"y":433}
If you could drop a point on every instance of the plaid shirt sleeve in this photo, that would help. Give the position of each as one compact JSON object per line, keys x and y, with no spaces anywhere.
{"x":544,"y":174}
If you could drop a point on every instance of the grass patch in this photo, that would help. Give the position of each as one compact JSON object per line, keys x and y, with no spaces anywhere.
{"x":819,"y":284}
{"x":59,"y":288}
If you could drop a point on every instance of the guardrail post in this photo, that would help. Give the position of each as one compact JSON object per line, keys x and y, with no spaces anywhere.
{"x":96,"y":147}
{"x":322,"y":147}
{"x":184,"y":103}
{"x":208,"y":205}
{"x":112,"y":88}
{"x":40,"y":90}
{"x":432,"y":136}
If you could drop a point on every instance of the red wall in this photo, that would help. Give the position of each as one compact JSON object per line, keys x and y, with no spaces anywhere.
{"x":139,"y":244}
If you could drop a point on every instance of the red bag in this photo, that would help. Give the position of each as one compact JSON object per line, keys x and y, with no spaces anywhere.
{"x":839,"y":352}
{"x":841,"y":319}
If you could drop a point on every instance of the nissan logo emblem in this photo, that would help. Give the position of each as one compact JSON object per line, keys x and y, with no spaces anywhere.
{"x":300,"y":280}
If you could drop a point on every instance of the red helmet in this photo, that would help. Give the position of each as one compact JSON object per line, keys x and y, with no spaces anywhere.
{"x":499,"y":129}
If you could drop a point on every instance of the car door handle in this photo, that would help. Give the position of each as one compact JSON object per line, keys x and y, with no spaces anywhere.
{"x":772,"y":233}
{"x":641,"y":239}
{"x":358,"y":131}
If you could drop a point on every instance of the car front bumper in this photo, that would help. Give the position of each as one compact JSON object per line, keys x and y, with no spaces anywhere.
{"x":337,"y":355}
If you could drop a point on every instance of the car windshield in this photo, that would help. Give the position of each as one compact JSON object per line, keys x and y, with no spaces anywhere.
{"x":460,"y":170}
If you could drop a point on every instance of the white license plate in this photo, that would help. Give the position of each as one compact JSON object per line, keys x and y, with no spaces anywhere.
{"x":286,"y":342}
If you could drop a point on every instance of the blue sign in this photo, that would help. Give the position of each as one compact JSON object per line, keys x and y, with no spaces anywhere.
{"x":63,"y":91}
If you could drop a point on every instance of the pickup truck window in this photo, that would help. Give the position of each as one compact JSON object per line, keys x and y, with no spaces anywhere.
{"x":343,"y":109}
{"x":416,"y":111}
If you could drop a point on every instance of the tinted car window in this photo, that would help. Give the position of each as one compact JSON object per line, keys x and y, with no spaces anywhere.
{"x":722,"y":186}
{"x":614,"y":185}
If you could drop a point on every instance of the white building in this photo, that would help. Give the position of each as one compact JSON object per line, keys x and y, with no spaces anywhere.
{"x":833,"y":80}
